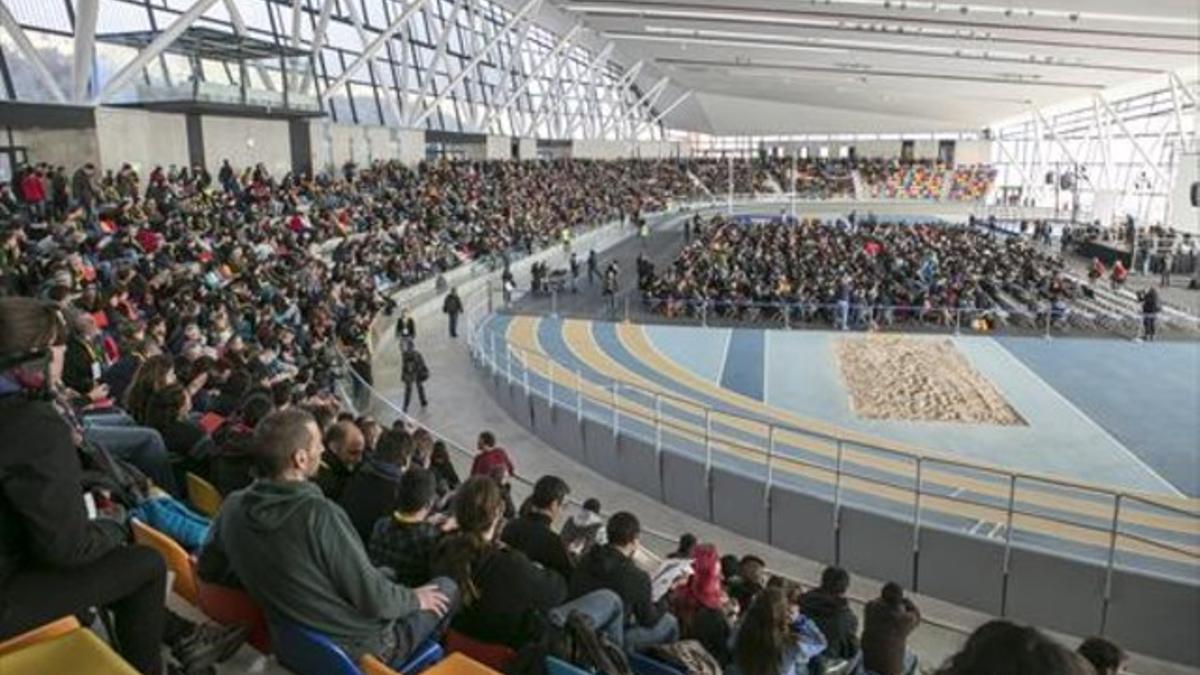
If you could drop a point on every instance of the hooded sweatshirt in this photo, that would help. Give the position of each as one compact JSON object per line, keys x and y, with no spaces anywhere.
{"x":837,"y":622}
{"x":297,"y":554}
{"x":607,"y":567}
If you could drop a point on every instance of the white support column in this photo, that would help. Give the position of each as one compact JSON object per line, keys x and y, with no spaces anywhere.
{"x":362,"y":38}
{"x":1177,"y":108}
{"x":665,"y":111}
{"x":370,"y":50}
{"x":653,"y":91}
{"x":636,"y":125}
{"x":574,"y":89}
{"x":86,"y":12}
{"x":152,"y":50}
{"x":318,"y":42}
{"x":536,"y":114}
{"x":615,"y":95}
{"x":30,"y":52}
{"x":525,"y":9}
{"x":439,"y":55}
{"x":239,"y":28}
{"x":589,"y":91}
{"x":533,"y":73}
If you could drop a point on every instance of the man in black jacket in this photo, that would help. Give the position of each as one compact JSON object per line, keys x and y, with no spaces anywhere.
{"x":826,"y":605}
{"x":344,"y":452}
{"x":452,"y":306}
{"x":531,"y":532}
{"x":611,"y":567}
{"x":83,"y":364}
{"x":374,"y":490}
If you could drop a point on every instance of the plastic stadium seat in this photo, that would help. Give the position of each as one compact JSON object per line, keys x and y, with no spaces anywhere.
{"x":77,"y":651}
{"x":229,"y":606}
{"x":556,"y":666}
{"x":44,"y":632}
{"x":460,"y":664}
{"x":178,"y":560}
{"x":641,"y":664}
{"x":491,"y":655}
{"x":307,"y":652}
{"x":203,"y":495}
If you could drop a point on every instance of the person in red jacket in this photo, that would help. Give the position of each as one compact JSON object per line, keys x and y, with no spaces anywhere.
{"x":33,"y":190}
{"x":490,"y":457}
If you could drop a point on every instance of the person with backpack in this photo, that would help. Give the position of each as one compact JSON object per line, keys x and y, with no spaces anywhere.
{"x":452,"y":306}
{"x":413,"y":372}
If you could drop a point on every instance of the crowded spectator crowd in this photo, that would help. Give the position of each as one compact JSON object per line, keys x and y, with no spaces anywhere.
{"x":971,"y":183}
{"x":895,"y":179}
{"x":859,"y":272}
{"x":196,"y":325}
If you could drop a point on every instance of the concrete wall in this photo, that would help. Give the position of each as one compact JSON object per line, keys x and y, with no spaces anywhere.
{"x":1183,"y":215}
{"x":245,"y":141}
{"x":142,"y":138}
{"x":605,"y":149}
{"x":973,"y":152}
{"x":498,"y":147}
{"x":527,"y":149}
{"x":71,"y":148}
{"x":335,"y":144}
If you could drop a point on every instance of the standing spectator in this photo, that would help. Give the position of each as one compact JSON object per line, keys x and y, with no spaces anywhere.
{"x":826,"y":605}
{"x":413,"y":372}
{"x":404,"y":540}
{"x":344,"y":445}
{"x":1168,"y":260}
{"x":443,"y":468}
{"x":452,"y":306}
{"x":889,"y":619}
{"x":593,"y":267}
{"x":611,"y":567}
{"x":406,"y":327}
{"x":1150,"y":309}
{"x":574,"y":273}
{"x":374,"y":490}
{"x":33,"y":191}
{"x":83,"y":188}
{"x":532,"y":533}
{"x":1107,"y":658}
{"x":327,"y":584}
{"x":490,"y":456}
{"x":1119,"y":274}
{"x":60,"y":199}
{"x":583,"y":529}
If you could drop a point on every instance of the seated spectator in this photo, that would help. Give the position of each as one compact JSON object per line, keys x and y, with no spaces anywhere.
{"x":155,"y":373}
{"x":373,"y":491}
{"x":490,"y":457}
{"x":611,"y":567}
{"x":764,"y":643}
{"x":749,"y":581}
{"x":1003,"y":648}
{"x":84,"y":363}
{"x":327,"y":584}
{"x":826,"y":605}
{"x":531,"y":532}
{"x":186,"y":441}
{"x":343,"y":453}
{"x":232,"y":467}
{"x":404,"y":541}
{"x":55,"y":559}
{"x":701,"y":605}
{"x":888,"y":621}
{"x":583,"y":529}
{"x":503,"y":592}
{"x":687,"y":541}
{"x":443,"y":469}
{"x":1107,"y":658}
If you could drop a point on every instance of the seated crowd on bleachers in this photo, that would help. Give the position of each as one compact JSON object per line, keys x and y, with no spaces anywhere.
{"x":191,"y":334}
{"x":858,"y":273}
{"x":895,"y":179}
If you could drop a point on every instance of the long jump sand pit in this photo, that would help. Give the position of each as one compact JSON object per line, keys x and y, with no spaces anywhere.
{"x":918,"y":379}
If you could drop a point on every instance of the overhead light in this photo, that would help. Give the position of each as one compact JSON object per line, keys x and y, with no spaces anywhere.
{"x":691,"y":38}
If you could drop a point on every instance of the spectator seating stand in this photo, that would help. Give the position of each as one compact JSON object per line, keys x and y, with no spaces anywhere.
{"x":179,"y":562}
{"x":62,"y":646}
{"x":307,"y":652}
{"x":203,"y":495}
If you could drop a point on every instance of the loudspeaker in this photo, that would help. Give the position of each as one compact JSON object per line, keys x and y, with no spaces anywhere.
{"x":1196,"y":194}
{"x":1049,"y":178}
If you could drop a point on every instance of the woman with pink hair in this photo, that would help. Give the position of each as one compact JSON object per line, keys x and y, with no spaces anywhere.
{"x":702,"y":606}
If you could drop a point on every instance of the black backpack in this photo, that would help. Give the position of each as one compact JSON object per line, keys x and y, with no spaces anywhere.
{"x":575,"y":642}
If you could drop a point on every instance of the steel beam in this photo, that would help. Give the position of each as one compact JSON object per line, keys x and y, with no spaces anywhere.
{"x":515,"y":54}
{"x":665,"y":111}
{"x":31,"y":53}
{"x":371,"y":49}
{"x":533,"y":72}
{"x":86,"y":12}
{"x":439,"y":53}
{"x":520,"y":14}
{"x":362,"y":38}
{"x":654,"y":89}
{"x":318,"y":43}
{"x":239,"y":28}
{"x":1137,"y":145}
{"x":152,"y":50}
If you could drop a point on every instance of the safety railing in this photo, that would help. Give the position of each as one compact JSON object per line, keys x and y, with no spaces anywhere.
{"x":1111,"y":528}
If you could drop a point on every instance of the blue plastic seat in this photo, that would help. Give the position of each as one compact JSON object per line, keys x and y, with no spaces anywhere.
{"x":642,"y":664}
{"x":307,"y":652}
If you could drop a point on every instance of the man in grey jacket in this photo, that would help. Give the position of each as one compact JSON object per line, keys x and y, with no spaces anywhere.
{"x":297,"y":554}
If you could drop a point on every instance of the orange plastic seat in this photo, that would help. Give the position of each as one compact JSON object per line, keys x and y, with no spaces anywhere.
{"x":203,"y":495}
{"x":44,"y":632}
{"x":228,"y":606}
{"x":77,"y":651}
{"x":178,"y":560}
{"x":460,"y":664}
{"x":373,"y":666}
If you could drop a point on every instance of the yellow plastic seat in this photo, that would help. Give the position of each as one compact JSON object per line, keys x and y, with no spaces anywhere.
{"x":203,"y":495}
{"x":459,"y":664}
{"x":78,"y":651}
{"x":44,"y":632}
{"x":178,"y":560}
